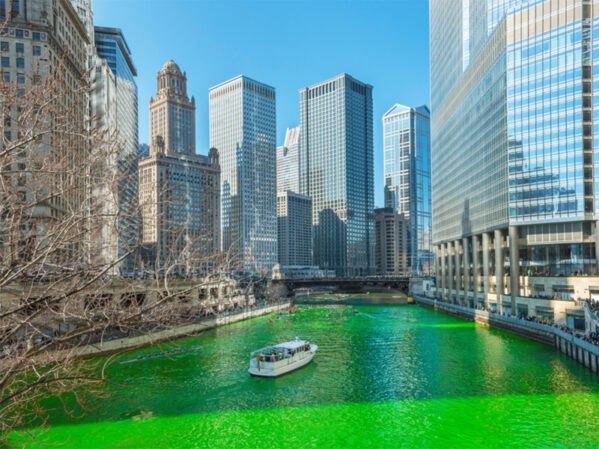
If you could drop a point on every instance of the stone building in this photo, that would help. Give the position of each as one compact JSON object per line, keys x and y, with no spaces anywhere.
{"x":392,"y":242}
{"x":40,"y":39}
{"x":179,"y":191}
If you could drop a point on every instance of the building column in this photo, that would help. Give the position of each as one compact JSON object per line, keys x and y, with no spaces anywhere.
{"x":499,"y":268}
{"x":475,"y":267}
{"x":450,"y":271}
{"x":514,"y":266}
{"x":486,"y":268}
{"x":438,"y":267}
{"x":443,"y":271}
{"x":458,"y":271}
{"x":466,"y":270}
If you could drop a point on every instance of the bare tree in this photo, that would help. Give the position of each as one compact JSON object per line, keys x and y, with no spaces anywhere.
{"x":59,"y":222}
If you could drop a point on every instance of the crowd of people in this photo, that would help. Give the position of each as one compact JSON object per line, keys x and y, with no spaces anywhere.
{"x":591,"y":337}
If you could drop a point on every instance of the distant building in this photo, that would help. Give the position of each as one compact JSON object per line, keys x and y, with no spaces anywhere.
{"x":243,"y":128}
{"x":392,"y":242}
{"x":406,"y":144}
{"x":288,"y":169}
{"x":301,"y":272}
{"x":294,"y":215}
{"x":179,"y":190}
{"x":337,"y":172}
{"x":143,"y":150}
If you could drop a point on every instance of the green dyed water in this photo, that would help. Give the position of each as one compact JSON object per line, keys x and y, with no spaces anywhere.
{"x":390,"y":376}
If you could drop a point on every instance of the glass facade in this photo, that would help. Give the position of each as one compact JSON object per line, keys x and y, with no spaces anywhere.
{"x":513,"y":103}
{"x":288,"y":174}
{"x":336,"y":171}
{"x":112,"y":48}
{"x":243,"y":130}
{"x":407,"y":169}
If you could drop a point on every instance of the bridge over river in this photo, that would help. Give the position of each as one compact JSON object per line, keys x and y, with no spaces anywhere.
{"x":348,"y":285}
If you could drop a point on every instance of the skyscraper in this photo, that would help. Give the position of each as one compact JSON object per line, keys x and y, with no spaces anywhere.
{"x":179,"y":190}
{"x":514,"y":178}
{"x":243,"y":128}
{"x":407,"y":168}
{"x":336,"y":171}
{"x":114,"y":101}
{"x":392,"y":242}
{"x":288,"y":173}
{"x":294,"y":215}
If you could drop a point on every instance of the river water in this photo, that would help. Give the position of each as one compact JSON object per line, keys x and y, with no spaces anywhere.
{"x":388,"y":377}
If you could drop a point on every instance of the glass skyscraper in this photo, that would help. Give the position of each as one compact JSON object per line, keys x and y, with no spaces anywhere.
{"x":407,"y":168}
{"x":336,"y":171}
{"x":243,"y":130}
{"x":112,"y":48}
{"x":288,"y":175}
{"x":514,"y":160}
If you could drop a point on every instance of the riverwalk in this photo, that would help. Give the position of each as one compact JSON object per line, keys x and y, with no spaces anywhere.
{"x":130,"y":343}
{"x":583,"y":352}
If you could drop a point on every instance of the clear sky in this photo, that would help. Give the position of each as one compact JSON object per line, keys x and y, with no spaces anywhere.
{"x":288,"y":44}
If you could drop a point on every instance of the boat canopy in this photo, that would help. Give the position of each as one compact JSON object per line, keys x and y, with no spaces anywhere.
{"x":281,"y":347}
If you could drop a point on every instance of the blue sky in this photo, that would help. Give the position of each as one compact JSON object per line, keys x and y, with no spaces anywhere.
{"x":288,"y":44}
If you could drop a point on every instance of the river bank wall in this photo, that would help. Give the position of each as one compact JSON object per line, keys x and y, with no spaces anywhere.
{"x":130,"y":343}
{"x":576,"y":348}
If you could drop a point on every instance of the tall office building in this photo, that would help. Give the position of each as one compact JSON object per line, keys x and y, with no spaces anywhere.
{"x":179,"y":191}
{"x":114,"y":103}
{"x":243,"y":128}
{"x":407,"y":168}
{"x":336,"y":167}
{"x":515,"y":170}
{"x":294,"y":216}
{"x":392,"y":242}
{"x":288,"y":173}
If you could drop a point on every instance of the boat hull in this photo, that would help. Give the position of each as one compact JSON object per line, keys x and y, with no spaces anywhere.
{"x":281,"y":369}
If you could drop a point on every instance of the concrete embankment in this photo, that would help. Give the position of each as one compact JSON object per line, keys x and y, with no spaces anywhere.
{"x":130,"y":343}
{"x":582,"y":351}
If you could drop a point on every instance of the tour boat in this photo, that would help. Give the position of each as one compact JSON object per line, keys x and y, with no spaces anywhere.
{"x":274,"y":361}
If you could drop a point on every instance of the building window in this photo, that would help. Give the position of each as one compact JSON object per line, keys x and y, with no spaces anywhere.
{"x":20,"y":78}
{"x":5,"y":61}
{"x":36,"y":36}
{"x":15,"y":9}
{"x":3,"y":9}
{"x":3,"y":46}
{"x":20,"y":63}
{"x":37,"y":50}
{"x":19,"y":33}
{"x":6,"y":77}
{"x":20,"y":47}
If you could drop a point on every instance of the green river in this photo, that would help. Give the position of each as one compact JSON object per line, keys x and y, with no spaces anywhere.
{"x":388,"y":377}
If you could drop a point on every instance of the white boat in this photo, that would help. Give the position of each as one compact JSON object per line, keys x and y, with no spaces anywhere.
{"x":274,"y":361}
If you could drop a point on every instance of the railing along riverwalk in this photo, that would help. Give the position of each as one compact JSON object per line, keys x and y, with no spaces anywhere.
{"x":574,"y":347}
